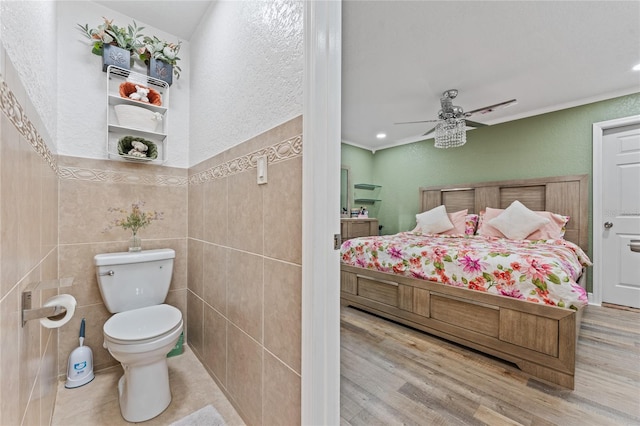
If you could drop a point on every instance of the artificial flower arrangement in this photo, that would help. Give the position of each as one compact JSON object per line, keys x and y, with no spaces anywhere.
{"x":135,"y":219}
{"x":132,"y":39}
{"x":129,"y":38}
{"x":162,"y":50}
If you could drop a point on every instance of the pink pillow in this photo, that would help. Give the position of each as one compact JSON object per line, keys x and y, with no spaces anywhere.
{"x":459,"y":221}
{"x":484,"y":228}
{"x":555,"y":229}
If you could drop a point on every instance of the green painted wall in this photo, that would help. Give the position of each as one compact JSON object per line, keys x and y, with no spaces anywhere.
{"x":361,"y":170}
{"x":558,"y":143}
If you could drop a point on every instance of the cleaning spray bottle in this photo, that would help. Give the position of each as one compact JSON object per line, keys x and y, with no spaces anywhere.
{"x":80,"y":366}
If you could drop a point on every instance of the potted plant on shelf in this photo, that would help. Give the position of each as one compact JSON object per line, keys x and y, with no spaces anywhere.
{"x":161,"y":58}
{"x":115,"y":44}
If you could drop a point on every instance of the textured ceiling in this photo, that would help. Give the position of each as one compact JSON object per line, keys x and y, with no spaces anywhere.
{"x":175,"y":17}
{"x":398,"y":58}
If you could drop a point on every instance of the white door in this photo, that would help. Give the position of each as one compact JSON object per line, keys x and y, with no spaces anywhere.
{"x":620,"y":225}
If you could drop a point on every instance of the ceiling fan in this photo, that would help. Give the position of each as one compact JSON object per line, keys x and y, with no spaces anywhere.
{"x":450,"y":112}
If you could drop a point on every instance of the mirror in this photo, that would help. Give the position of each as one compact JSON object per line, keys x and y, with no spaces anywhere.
{"x":345,"y":198}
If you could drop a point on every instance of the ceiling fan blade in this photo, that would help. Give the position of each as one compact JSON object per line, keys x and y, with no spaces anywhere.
{"x":414,"y":122}
{"x":490,"y":107}
{"x":473,"y":123}
{"x":429,"y":132}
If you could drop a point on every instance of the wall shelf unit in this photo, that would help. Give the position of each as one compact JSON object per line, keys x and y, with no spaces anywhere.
{"x":370,"y":196}
{"x":366,"y":200}
{"x":116,"y":131}
{"x":368,"y":186}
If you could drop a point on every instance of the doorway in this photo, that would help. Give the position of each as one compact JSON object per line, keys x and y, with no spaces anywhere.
{"x":616,"y":211}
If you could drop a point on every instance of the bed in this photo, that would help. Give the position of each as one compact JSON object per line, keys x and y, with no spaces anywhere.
{"x":537,"y":334}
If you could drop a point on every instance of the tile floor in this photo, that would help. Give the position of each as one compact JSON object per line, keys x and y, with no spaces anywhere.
{"x":96,"y":403}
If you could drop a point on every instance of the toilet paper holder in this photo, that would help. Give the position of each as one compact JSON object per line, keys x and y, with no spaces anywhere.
{"x":29,"y":313}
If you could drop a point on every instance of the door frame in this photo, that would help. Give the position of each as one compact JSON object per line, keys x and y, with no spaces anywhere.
{"x":595,"y":298}
{"x":321,"y":135}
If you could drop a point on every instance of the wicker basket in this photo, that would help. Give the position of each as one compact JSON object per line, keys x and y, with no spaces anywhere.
{"x":128,"y":88}
{"x":124,"y":146}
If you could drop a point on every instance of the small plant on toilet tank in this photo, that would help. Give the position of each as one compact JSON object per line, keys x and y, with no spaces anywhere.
{"x":133,"y":219}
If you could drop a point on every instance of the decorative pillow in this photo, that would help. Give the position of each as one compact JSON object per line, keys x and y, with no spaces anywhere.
{"x":484,"y":228}
{"x":517,"y":221}
{"x":434,"y":221}
{"x":458,"y":219}
{"x":554,"y":230}
{"x":471,"y":223}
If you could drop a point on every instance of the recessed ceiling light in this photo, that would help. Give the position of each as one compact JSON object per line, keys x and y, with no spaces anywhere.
{"x":381,"y":135}
{"x":636,"y":68}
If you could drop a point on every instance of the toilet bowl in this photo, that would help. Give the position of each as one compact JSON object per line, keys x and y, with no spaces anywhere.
{"x":143,"y":330}
{"x":140,"y":340}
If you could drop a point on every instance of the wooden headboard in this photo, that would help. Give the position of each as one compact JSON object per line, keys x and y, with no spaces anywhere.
{"x":567,"y":195}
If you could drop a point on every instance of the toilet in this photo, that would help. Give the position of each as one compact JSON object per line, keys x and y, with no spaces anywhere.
{"x":143,"y":330}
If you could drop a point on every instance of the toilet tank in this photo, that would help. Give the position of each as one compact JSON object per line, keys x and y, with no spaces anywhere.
{"x":132,"y":280}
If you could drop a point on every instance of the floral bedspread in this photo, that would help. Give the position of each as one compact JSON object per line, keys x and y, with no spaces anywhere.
{"x":543,"y":271}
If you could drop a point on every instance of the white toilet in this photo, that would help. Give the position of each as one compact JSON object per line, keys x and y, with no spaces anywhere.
{"x":143,"y":330}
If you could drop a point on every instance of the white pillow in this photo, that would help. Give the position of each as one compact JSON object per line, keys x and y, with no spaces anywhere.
{"x":517,"y":221}
{"x":434,"y":221}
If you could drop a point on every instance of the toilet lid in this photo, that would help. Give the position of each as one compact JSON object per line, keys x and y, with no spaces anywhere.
{"x":143,"y":323}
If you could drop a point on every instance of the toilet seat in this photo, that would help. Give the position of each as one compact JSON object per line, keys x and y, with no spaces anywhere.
{"x":140,"y":340}
{"x":142,"y":325}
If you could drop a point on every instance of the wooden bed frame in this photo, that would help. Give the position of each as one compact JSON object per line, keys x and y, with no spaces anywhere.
{"x":541,"y":340}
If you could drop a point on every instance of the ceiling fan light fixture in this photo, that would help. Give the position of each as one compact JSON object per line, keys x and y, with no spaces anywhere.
{"x":450,"y":133}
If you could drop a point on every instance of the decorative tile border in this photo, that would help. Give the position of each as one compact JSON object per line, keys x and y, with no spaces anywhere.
{"x":15,"y":113}
{"x":281,"y":151}
{"x":111,"y":176}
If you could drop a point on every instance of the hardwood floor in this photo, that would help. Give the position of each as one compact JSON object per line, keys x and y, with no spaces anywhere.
{"x":392,"y":375}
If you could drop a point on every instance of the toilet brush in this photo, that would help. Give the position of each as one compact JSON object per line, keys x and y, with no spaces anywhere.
{"x":80,"y":366}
